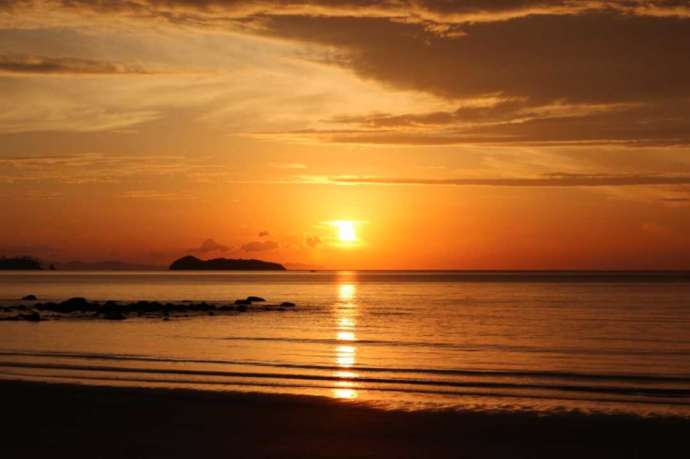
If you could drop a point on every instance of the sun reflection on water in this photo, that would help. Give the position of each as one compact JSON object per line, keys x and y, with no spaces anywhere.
{"x":346,"y":292}
{"x":345,"y":354}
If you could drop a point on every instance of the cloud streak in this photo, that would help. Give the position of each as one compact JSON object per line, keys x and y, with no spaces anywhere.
{"x":557,"y":179}
{"x":209,"y":246}
{"x":259,"y":246}
{"x":16,"y":64}
{"x":431,"y":13}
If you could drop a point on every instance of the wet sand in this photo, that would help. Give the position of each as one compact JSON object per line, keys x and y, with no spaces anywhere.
{"x":56,"y":420}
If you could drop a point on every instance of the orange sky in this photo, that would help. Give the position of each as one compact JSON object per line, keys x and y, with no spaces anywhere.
{"x":471,"y":135}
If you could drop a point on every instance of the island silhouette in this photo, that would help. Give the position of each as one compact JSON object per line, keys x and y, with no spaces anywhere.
{"x":191,"y":263}
{"x":22,"y":263}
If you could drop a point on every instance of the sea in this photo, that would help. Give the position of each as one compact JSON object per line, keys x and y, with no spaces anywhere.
{"x":551,"y":342}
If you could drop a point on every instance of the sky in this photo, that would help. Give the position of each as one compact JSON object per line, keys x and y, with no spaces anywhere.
{"x":393,"y":134}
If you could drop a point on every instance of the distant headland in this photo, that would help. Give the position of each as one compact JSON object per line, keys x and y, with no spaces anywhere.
{"x":191,"y":263}
{"x":22,"y":263}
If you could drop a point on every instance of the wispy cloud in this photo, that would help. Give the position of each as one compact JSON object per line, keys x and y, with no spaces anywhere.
{"x":259,"y":246}
{"x":18,"y":64}
{"x":107,"y":168}
{"x":557,"y":179}
{"x":209,"y":246}
{"x":431,"y":13}
{"x":288,"y":165}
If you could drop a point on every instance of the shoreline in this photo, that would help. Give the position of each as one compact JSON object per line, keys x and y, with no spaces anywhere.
{"x":64,"y":420}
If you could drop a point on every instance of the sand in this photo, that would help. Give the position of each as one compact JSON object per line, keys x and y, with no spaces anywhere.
{"x":56,"y":420}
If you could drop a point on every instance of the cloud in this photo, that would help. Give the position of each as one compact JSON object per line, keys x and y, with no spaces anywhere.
{"x":42,"y":65}
{"x":534,"y":55}
{"x":158,"y":195}
{"x":514,"y":122}
{"x":586,"y":58}
{"x":104,"y":168}
{"x":37,"y":250}
{"x":259,"y":246}
{"x":433,"y":14}
{"x":208,"y":246}
{"x":288,"y":166}
{"x":312,"y":241}
{"x":557,"y":179}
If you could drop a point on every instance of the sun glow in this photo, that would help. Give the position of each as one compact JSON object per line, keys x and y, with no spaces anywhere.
{"x":347,"y":231}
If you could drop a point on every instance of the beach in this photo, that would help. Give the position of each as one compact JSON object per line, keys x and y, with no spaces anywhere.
{"x":367,"y":364}
{"x":59,"y":420}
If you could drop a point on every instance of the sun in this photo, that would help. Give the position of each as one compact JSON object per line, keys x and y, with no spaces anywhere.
{"x":347,"y":231}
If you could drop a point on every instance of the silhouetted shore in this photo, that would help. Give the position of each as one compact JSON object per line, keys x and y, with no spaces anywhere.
{"x":56,"y":420}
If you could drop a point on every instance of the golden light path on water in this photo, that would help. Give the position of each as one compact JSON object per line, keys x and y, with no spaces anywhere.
{"x":345,"y":311}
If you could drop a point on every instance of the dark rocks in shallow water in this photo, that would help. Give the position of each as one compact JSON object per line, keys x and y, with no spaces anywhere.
{"x":46,"y":306}
{"x":145,"y":306}
{"x":114,"y":316}
{"x":79,"y":307}
{"x":33,"y":316}
{"x":204,"y":306}
{"x":30,"y":298}
{"x":74,"y":304}
{"x":110,"y":306}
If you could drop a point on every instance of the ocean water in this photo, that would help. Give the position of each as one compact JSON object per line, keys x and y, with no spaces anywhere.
{"x":593,"y":342}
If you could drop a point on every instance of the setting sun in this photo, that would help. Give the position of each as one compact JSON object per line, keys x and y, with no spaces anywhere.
{"x":346,"y":230}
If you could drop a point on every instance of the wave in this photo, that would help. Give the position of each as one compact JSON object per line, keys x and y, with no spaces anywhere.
{"x":645,"y":391}
{"x":458,"y":346}
{"x":257,"y":384}
{"x":613,"y":377}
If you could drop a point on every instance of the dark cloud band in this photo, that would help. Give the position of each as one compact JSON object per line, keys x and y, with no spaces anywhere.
{"x":42,"y":65}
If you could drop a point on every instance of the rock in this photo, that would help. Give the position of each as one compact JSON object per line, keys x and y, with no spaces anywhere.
{"x":47,"y":307}
{"x":74,"y":304}
{"x":30,"y":298}
{"x":242,"y":308}
{"x":110,"y":306}
{"x":253,"y":299}
{"x":287,"y":304}
{"x":242,"y":302}
{"x":33,"y":316}
{"x":114,"y":316}
{"x":204,"y":306}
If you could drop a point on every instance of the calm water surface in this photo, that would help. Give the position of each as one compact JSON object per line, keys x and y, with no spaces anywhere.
{"x":414,"y":340}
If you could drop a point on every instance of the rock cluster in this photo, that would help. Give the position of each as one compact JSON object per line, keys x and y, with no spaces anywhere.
{"x":79,"y":307}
